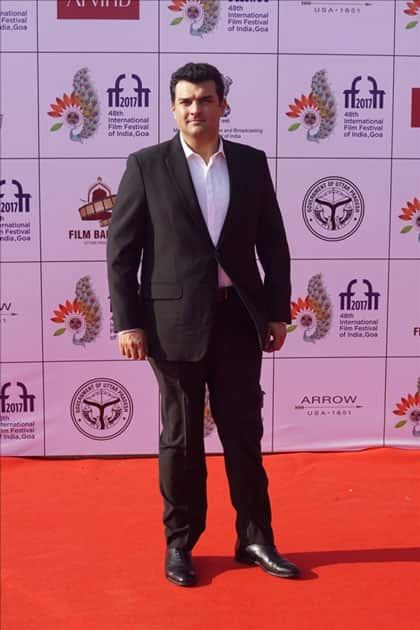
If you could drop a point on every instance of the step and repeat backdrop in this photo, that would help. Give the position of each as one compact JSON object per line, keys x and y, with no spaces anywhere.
{"x":330,"y":91}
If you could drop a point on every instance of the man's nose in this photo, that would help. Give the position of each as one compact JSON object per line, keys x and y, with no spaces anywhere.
{"x":195,"y":106}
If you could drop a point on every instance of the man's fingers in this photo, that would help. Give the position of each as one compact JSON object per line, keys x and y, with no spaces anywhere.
{"x":133,"y":345}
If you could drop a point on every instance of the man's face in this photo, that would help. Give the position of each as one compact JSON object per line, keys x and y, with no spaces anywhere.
{"x":197,"y":110}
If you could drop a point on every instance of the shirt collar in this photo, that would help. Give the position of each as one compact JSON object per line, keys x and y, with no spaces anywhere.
{"x":189,"y":152}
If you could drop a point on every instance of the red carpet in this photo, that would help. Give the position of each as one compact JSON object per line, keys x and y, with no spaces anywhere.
{"x":82,"y":547}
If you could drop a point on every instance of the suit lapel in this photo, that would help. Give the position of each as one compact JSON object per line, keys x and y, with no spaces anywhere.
{"x":177,"y":165}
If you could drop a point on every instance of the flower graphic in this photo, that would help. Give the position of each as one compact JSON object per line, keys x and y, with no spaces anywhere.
{"x":79,"y":111}
{"x":313,"y":314}
{"x":409,"y":409}
{"x":203,"y":15}
{"x":413,"y":8}
{"x":81,"y":317}
{"x":315,"y":112}
{"x":411,"y":214}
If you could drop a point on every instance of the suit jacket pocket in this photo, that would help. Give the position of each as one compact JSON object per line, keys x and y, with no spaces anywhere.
{"x":162,"y":291}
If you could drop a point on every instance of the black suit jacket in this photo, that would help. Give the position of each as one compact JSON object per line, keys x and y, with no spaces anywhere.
{"x":157,"y":222}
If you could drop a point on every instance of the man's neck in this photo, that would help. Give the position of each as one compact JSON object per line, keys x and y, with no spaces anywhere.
{"x":204,"y":148}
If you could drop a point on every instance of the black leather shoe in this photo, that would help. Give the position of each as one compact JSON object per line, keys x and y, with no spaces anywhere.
{"x":268,"y":558}
{"x":178,"y":567}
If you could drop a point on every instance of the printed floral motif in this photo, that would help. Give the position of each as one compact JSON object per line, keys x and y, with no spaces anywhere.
{"x":411,"y":214}
{"x":203,"y":15}
{"x":313,"y":315}
{"x":315,"y":112}
{"x":82,"y":317}
{"x":413,"y":8}
{"x":409,"y":409}
{"x":79,"y":111}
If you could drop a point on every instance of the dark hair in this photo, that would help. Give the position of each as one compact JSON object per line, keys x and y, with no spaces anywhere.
{"x":197,"y":73}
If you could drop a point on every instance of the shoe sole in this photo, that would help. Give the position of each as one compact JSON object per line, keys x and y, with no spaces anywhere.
{"x":184,"y":584}
{"x":251,"y":563}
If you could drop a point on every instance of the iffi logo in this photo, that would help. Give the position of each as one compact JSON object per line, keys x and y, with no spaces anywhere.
{"x":141,"y":98}
{"x":354,"y":101}
{"x":26,"y":404}
{"x":23,"y":199}
{"x":349,"y":301}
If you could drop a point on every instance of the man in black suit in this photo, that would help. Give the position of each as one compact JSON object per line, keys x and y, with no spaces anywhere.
{"x":193,"y":211}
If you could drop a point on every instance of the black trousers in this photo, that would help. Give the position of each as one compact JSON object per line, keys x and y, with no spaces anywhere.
{"x":231,"y":368}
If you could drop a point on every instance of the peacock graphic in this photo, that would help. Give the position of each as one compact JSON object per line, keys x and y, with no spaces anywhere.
{"x":314,"y":313}
{"x":317,"y":112}
{"x":82,"y":317}
{"x":78,"y":111}
{"x":203,"y":15}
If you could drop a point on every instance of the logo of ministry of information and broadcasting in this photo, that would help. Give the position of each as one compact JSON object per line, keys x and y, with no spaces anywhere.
{"x":81,"y":317}
{"x":315,"y":112}
{"x":201,"y":15}
{"x":333,"y":208}
{"x":101,"y":409}
{"x":79,"y":111}
{"x":409,"y":410}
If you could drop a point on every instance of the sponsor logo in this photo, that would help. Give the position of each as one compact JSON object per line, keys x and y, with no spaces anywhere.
{"x":81,"y":317}
{"x":315,"y":112}
{"x":411,"y":216}
{"x":79,"y":111}
{"x":101,"y":409}
{"x":415,"y":107}
{"x":201,"y":15}
{"x":98,"y":9}
{"x":313,"y":314}
{"x":97,"y":207}
{"x":328,"y":404}
{"x":346,"y":8}
{"x":355,"y":301}
{"x":409,"y":410}
{"x":16,"y":400}
{"x":14,"y":201}
{"x":333,"y":208}
{"x":412,"y":9}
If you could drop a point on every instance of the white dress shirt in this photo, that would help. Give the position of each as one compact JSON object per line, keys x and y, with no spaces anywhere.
{"x":211,"y":184}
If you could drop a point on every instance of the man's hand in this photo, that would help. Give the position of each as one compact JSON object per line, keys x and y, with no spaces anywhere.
{"x":133,"y":344}
{"x":276,"y":335}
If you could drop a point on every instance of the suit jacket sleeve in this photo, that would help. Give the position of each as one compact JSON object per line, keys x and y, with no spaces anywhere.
{"x":126,"y":236}
{"x":273,"y":252}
